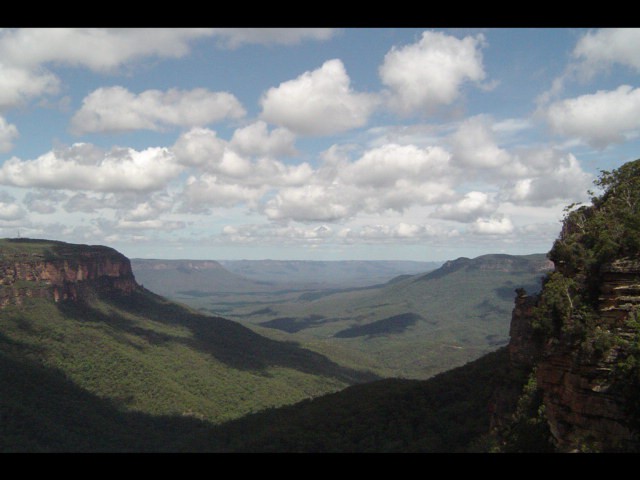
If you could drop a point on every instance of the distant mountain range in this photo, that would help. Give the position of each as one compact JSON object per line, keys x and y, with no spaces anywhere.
{"x":346,"y":273}
{"x":410,"y":325}
{"x":171,"y":277}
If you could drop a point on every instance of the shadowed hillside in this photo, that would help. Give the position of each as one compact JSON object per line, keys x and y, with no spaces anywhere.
{"x":83,"y":319}
{"x":413,"y":326}
{"x":447,"y":413}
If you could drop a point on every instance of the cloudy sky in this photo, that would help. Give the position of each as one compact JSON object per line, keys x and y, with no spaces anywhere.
{"x":326,"y":144}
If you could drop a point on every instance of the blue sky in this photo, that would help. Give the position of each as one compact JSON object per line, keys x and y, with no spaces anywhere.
{"x":321,"y":144}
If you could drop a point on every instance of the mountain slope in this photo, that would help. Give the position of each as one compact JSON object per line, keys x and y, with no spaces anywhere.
{"x":42,"y":410}
{"x":447,"y":413}
{"x":319,"y":274}
{"x":77,"y":313}
{"x":412,"y":326}
{"x":195,"y":277}
{"x":221,"y":287}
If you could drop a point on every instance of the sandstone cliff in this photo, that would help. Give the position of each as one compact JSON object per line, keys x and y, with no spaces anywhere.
{"x":60,"y":271}
{"x":579,"y":379}
{"x":579,"y":339}
{"x":578,"y":376}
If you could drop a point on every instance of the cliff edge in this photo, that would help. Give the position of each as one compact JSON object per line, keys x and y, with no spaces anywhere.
{"x":576,"y":344}
{"x":60,"y":271}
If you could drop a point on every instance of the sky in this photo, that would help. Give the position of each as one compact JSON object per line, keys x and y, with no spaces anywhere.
{"x":310,"y":144}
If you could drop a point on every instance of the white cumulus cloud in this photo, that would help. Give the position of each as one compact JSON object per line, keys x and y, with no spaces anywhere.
{"x":275,"y":234}
{"x":496,"y":225}
{"x":320,"y":102}
{"x":469,"y":208}
{"x":99,"y":49}
{"x":390,"y":177}
{"x":149,"y":209}
{"x":384,"y":166}
{"x":255,"y":139}
{"x":231,"y":162}
{"x":43,"y":201}
{"x":430,"y":73}
{"x":400,"y":230}
{"x":17,"y":85}
{"x":474,"y":145}
{"x":85,"y":167}
{"x":8,"y":133}
{"x":275,"y":173}
{"x":25,"y":54}
{"x":394,"y":233}
{"x":595,"y":52}
{"x":81,"y":202}
{"x":555,"y":178}
{"x":600,"y":49}
{"x":199,"y":147}
{"x":9,"y":209}
{"x":153,"y":224}
{"x":115,"y":109}
{"x":207,"y":190}
{"x":599,"y":119}
{"x":310,"y":203}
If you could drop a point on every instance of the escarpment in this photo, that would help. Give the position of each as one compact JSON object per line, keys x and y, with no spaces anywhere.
{"x":580,"y":378}
{"x":578,"y":341}
{"x":578,"y":374}
{"x":60,"y":271}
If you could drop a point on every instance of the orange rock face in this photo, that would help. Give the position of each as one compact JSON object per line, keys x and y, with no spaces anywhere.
{"x":63,"y":275}
{"x":583,"y":408}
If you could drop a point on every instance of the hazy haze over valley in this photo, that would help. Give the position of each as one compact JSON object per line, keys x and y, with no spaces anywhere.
{"x":407,"y":319}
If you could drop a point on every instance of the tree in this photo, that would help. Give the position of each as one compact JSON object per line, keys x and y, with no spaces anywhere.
{"x":607,"y":230}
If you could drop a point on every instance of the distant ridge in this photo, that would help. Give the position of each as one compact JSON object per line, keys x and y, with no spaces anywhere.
{"x":176,"y":278}
{"x":533,"y":263}
{"x":347,"y":273}
{"x":171,"y":277}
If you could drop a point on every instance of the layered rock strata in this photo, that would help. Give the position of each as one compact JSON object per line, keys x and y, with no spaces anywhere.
{"x":577,"y":378}
{"x":63,"y":272}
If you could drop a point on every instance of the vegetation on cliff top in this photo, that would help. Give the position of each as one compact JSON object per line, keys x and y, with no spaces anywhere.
{"x":20,"y":249}
{"x":569,"y":315}
{"x":607,"y":230}
{"x":592,"y":236}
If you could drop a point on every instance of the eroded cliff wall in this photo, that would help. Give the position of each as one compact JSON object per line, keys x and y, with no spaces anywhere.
{"x":62,"y":272}
{"x":579,"y":378}
{"x":579,"y":375}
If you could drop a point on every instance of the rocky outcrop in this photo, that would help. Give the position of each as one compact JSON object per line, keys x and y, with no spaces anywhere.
{"x":63,"y":272}
{"x":582,"y":412}
{"x":524,"y":348}
{"x":619,"y":291}
{"x":578,"y":377}
{"x":578,"y":380}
